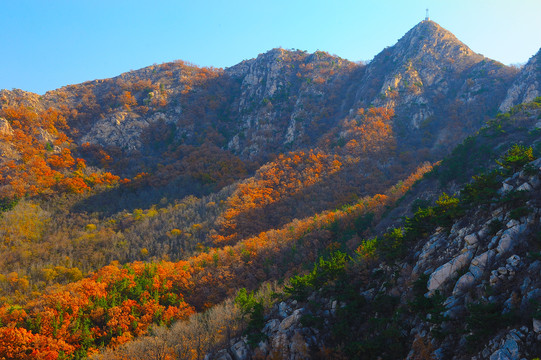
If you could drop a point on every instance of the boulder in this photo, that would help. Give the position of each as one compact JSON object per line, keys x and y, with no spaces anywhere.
{"x":505,"y":188}
{"x":223,"y":355}
{"x":240,"y":350}
{"x":514,"y":260}
{"x":510,"y":239}
{"x":536,"y":325}
{"x":471,"y":239}
{"x":5,"y":128}
{"x":271,"y":326}
{"x":480,"y":263}
{"x":511,"y":346}
{"x":448,"y":270}
{"x":283,"y":309}
{"x":465,"y":282}
{"x":288,"y":322}
{"x":524,"y":187}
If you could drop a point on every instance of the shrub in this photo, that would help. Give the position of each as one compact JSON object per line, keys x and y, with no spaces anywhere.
{"x":363,"y":223}
{"x":324,"y":272}
{"x":520,"y":212}
{"x":419,"y":204}
{"x":516,"y":157}
{"x":254,"y":309}
{"x":529,"y":170}
{"x":514,"y":198}
{"x":448,"y":208}
{"x":420,"y":224}
{"x":484,"y":319}
{"x":7,"y":204}
{"x":367,"y":249}
{"x":392,"y":245}
{"x":482,"y":190}
{"x":494,"y":226}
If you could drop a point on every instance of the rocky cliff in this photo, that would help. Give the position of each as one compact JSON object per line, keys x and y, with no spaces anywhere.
{"x":527,"y":85}
{"x":288,"y":99}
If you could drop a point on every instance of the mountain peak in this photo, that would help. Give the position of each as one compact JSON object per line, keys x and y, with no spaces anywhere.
{"x":427,"y":47}
{"x":428,"y":37}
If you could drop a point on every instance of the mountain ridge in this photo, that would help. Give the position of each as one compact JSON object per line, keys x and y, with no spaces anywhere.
{"x":422,"y":63}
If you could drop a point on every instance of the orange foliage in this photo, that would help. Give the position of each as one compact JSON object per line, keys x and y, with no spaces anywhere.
{"x":369,"y":132}
{"x":19,"y":344}
{"x":40,"y":168}
{"x":284,"y":177}
{"x":112,"y":306}
{"x":116,"y":303}
{"x":127,"y":99}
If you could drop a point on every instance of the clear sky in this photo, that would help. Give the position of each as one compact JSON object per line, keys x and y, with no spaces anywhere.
{"x":46,"y":44}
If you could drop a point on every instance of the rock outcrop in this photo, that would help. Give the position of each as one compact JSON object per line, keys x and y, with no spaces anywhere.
{"x":5,"y":128}
{"x":527,"y":85}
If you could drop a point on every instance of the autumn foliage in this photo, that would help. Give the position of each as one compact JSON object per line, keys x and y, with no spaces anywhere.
{"x":109,"y":308}
{"x":282,"y":178}
{"x":118,"y":303}
{"x":59,"y":298}
{"x":369,"y":132}
{"x":43,"y":162}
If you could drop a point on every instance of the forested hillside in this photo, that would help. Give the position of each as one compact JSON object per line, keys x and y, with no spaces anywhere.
{"x":135,"y":210}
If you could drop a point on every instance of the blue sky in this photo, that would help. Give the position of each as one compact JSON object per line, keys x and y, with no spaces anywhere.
{"x":46,"y":44}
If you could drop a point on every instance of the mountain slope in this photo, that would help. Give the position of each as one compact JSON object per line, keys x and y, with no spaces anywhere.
{"x":153,"y":122}
{"x":287,"y":99}
{"x":456,"y":279}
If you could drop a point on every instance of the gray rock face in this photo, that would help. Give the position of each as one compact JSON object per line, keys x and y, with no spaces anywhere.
{"x":410,"y":81}
{"x":271,"y":326}
{"x":5,"y":128}
{"x":288,"y":322}
{"x":465,"y":282}
{"x":524,"y":187}
{"x":471,"y":239}
{"x":513,"y":260}
{"x":526,"y":87}
{"x":272,"y":108}
{"x":509,"y":351}
{"x":448,"y":270}
{"x":223,"y":355}
{"x":510,"y":238}
{"x":479,"y":264}
{"x":536,"y":325}
{"x":122,"y":129}
{"x":240,"y":351}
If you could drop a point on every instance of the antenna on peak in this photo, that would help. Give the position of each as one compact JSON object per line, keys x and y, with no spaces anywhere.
{"x":427,"y":18}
